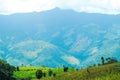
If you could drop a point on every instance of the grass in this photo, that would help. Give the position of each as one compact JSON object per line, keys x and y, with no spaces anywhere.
{"x":105,"y":72}
{"x":30,"y":72}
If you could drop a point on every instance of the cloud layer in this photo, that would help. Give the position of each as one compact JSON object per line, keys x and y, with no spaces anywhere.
{"x":91,"y":6}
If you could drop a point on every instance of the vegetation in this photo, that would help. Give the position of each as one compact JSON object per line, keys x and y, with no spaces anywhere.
{"x":50,"y":72}
{"x":104,"y":72}
{"x":6,"y":70}
{"x":103,"y":61}
{"x":111,"y":60}
{"x":109,"y":69}
{"x":39,"y":74}
{"x":30,"y":72}
{"x":65,"y":68}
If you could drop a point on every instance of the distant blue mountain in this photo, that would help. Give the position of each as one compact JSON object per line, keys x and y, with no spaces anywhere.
{"x":59,"y":37}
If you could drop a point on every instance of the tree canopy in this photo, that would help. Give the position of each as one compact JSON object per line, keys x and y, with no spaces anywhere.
{"x":6,"y":70}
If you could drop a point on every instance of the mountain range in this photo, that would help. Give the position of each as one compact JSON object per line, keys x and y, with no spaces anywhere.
{"x":59,"y":37}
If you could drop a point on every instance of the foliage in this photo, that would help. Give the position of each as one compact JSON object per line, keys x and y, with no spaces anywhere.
{"x":30,"y":71}
{"x":17,"y":68}
{"x":65,"y":68}
{"x":6,"y":70}
{"x":50,"y":72}
{"x":103,"y":72}
{"x":39,"y":74}
{"x":111,"y":60}
{"x":44,"y":74}
{"x":103,"y":61}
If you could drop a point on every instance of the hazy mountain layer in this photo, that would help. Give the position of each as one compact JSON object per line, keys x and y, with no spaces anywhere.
{"x":59,"y":37}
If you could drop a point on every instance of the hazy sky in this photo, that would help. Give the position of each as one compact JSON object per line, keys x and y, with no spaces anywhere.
{"x":92,"y":6}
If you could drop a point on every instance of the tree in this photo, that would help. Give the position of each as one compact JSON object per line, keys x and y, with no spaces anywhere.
{"x":99,"y":64}
{"x":94,"y":65}
{"x":111,"y":60}
{"x":65,"y":68}
{"x":39,"y":74}
{"x":43,"y":66}
{"x":54,"y":74}
{"x":6,"y":70}
{"x":50,"y":73}
{"x":18,"y":68}
{"x":44,"y":74}
{"x":103,"y":60}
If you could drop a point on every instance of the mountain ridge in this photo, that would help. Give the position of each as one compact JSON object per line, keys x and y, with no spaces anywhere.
{"x":81,"y":35}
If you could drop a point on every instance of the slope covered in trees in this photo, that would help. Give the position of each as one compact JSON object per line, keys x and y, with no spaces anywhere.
{"x":6,"y":70}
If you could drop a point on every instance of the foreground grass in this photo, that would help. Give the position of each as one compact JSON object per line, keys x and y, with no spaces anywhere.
{"x":110,"y":77}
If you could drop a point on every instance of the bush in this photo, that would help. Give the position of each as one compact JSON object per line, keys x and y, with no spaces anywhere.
{"x":54,"y":74}
{"x":17,"y":68}
{"x":65,"y":68}
{"x":39,"y":74}
{"x":50,"y":72}
{"x":44,"y":74}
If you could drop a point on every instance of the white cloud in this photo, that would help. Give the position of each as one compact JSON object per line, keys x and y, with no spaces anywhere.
{"x":8,"y":6}
{"x":96,"y":6}
{"x":92,"y":6}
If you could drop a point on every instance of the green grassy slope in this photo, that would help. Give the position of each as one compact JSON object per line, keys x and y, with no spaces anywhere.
{"x":106,"y":72}
{"x":30,"y":72}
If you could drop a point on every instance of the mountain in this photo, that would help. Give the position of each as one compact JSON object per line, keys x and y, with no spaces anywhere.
{"x":63,"y":37}
{"x":38,"y":52}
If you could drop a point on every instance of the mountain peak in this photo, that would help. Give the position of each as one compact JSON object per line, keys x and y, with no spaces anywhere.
{"x":56,"y":8}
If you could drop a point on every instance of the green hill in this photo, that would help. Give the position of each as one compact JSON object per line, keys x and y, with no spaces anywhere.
{"x":105,"y":72}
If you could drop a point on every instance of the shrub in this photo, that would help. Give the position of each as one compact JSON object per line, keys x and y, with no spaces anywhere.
{"x":18,"y":68}
{"x":54,"y":74}
{"x":50,"y":72}
{"x":44,"y":74}
{"x":65,"y":68}
{"x":39,"y":74}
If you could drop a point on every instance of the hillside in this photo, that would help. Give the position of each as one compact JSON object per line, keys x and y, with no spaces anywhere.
{"x":6,"y":70}
{"x":59,"y":36}
{"x":106,"y":72}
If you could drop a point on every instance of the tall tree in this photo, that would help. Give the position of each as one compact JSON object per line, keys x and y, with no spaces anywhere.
{"x":103,"y":60}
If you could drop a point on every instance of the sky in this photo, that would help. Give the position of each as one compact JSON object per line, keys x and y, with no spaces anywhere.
{"x":90,"y":6}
